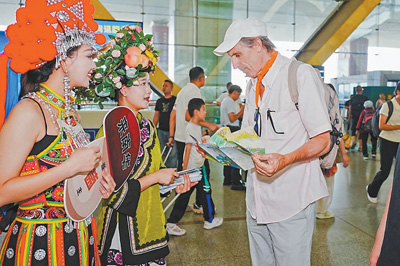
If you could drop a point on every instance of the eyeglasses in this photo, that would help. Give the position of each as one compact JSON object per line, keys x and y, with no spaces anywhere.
{"x":257,"y":120}
{"x":269,"y":117}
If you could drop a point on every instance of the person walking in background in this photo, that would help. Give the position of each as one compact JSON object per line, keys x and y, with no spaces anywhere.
{"x":364,"y":129}
{"x":230,"y":118}
{"x":287,"y":181}
{"x":355,"y":108}
{"x":238,"y":102}
{"x":346,"y":112}
{"x":329,"y":174}
{"x":180,"y":112}
{"x":192,"y":159}
{"x":180,"y":117}
{"x":388,"y":142}
{"x":381,"y":100}
{"x":224,"y":94}
{"x":162,"y":114}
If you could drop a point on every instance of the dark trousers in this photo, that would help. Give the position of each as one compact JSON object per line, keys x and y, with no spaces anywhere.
{"x":354,"y":121}
{"x":388,"y":152}
{"x":180,"y":149}
{"x":204,"y":191}
{"x":180,"y":146}
{"x":232,"y":175}
{"x":364,"y":141}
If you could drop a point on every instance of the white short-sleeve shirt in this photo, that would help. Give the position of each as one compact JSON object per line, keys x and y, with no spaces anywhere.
{"x":227,"y":107}
{"x":195,"y":159}
{"x":277,"y":198}
{"x":187,"y":93}
{"x":391,"y":135}
{"x":238,"y":102}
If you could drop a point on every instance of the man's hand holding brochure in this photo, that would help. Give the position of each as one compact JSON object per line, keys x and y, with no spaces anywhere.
{"x":234,"y":149}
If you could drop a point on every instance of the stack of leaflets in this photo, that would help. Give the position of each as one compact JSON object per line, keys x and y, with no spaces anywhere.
{"x":233,"y":149}
{"x":194,"y":175}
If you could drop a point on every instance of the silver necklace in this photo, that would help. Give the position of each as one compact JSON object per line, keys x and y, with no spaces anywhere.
{"x":69,"y":130}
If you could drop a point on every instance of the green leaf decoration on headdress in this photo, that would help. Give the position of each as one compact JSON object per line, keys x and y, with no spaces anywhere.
{"x":125,"y":58}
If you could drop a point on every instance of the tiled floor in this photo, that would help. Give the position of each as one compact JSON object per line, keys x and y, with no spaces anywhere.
{"x":344,"y":240}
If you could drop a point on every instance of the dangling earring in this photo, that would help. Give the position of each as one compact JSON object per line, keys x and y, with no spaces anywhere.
{"x":67,"y":94}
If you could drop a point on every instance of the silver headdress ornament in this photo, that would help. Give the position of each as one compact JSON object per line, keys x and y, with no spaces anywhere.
{"x":73,"y":38}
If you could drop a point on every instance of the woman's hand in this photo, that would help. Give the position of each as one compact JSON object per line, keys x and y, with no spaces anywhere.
{"x":166,"y":176}
{"x":182,"y":188}
{"x":83,"y":160}
{"x":107,"y":184}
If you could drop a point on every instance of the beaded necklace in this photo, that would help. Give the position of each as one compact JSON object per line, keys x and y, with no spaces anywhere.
{"x":65,"y":121}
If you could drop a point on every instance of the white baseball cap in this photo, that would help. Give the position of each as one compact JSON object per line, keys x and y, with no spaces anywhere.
{"x":248,"y":27}
{"x":368,"y":104}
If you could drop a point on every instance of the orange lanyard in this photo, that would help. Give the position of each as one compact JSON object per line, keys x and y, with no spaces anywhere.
{"x":263,"y":72}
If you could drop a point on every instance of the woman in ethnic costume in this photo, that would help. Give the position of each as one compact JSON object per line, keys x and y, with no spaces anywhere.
{"x":132,"y":221}
{"x":41,"y":142}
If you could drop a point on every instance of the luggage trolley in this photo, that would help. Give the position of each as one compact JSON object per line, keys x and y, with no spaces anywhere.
{"x":164,"y":155}
{"x":168,"y":152}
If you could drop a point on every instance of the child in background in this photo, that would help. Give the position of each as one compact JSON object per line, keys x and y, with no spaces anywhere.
{"x":364,"y":128}
{"x":192,"y":159}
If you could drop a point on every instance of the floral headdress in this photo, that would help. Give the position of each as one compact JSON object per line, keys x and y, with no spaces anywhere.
{"x":46,"y":30}
{"x":129,"y":56}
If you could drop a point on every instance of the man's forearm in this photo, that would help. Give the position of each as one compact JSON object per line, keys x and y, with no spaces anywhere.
{"x":316,"y":147}
{"x":172,"y":120}
{"x":209,"y":125}
{"x":155,"y":118}
{"x":233,"y":117}
{"x":188,"y":147}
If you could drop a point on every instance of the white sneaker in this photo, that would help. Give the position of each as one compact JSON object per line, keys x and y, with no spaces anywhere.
{"x":365,"y":158}
{"x":175,"y":230}
{"x":325,"y":215}
{"x":217,"y":221}
{"x":371,"y":199}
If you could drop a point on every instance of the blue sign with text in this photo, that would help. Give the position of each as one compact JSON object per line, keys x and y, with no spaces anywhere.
{"x":111,"y":27}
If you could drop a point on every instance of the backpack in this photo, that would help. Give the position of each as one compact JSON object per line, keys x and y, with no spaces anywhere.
{"x":332,"y":106}
{"x":375,"y":119}
{"x":357,"y":105}
{"x":366,"y":123}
